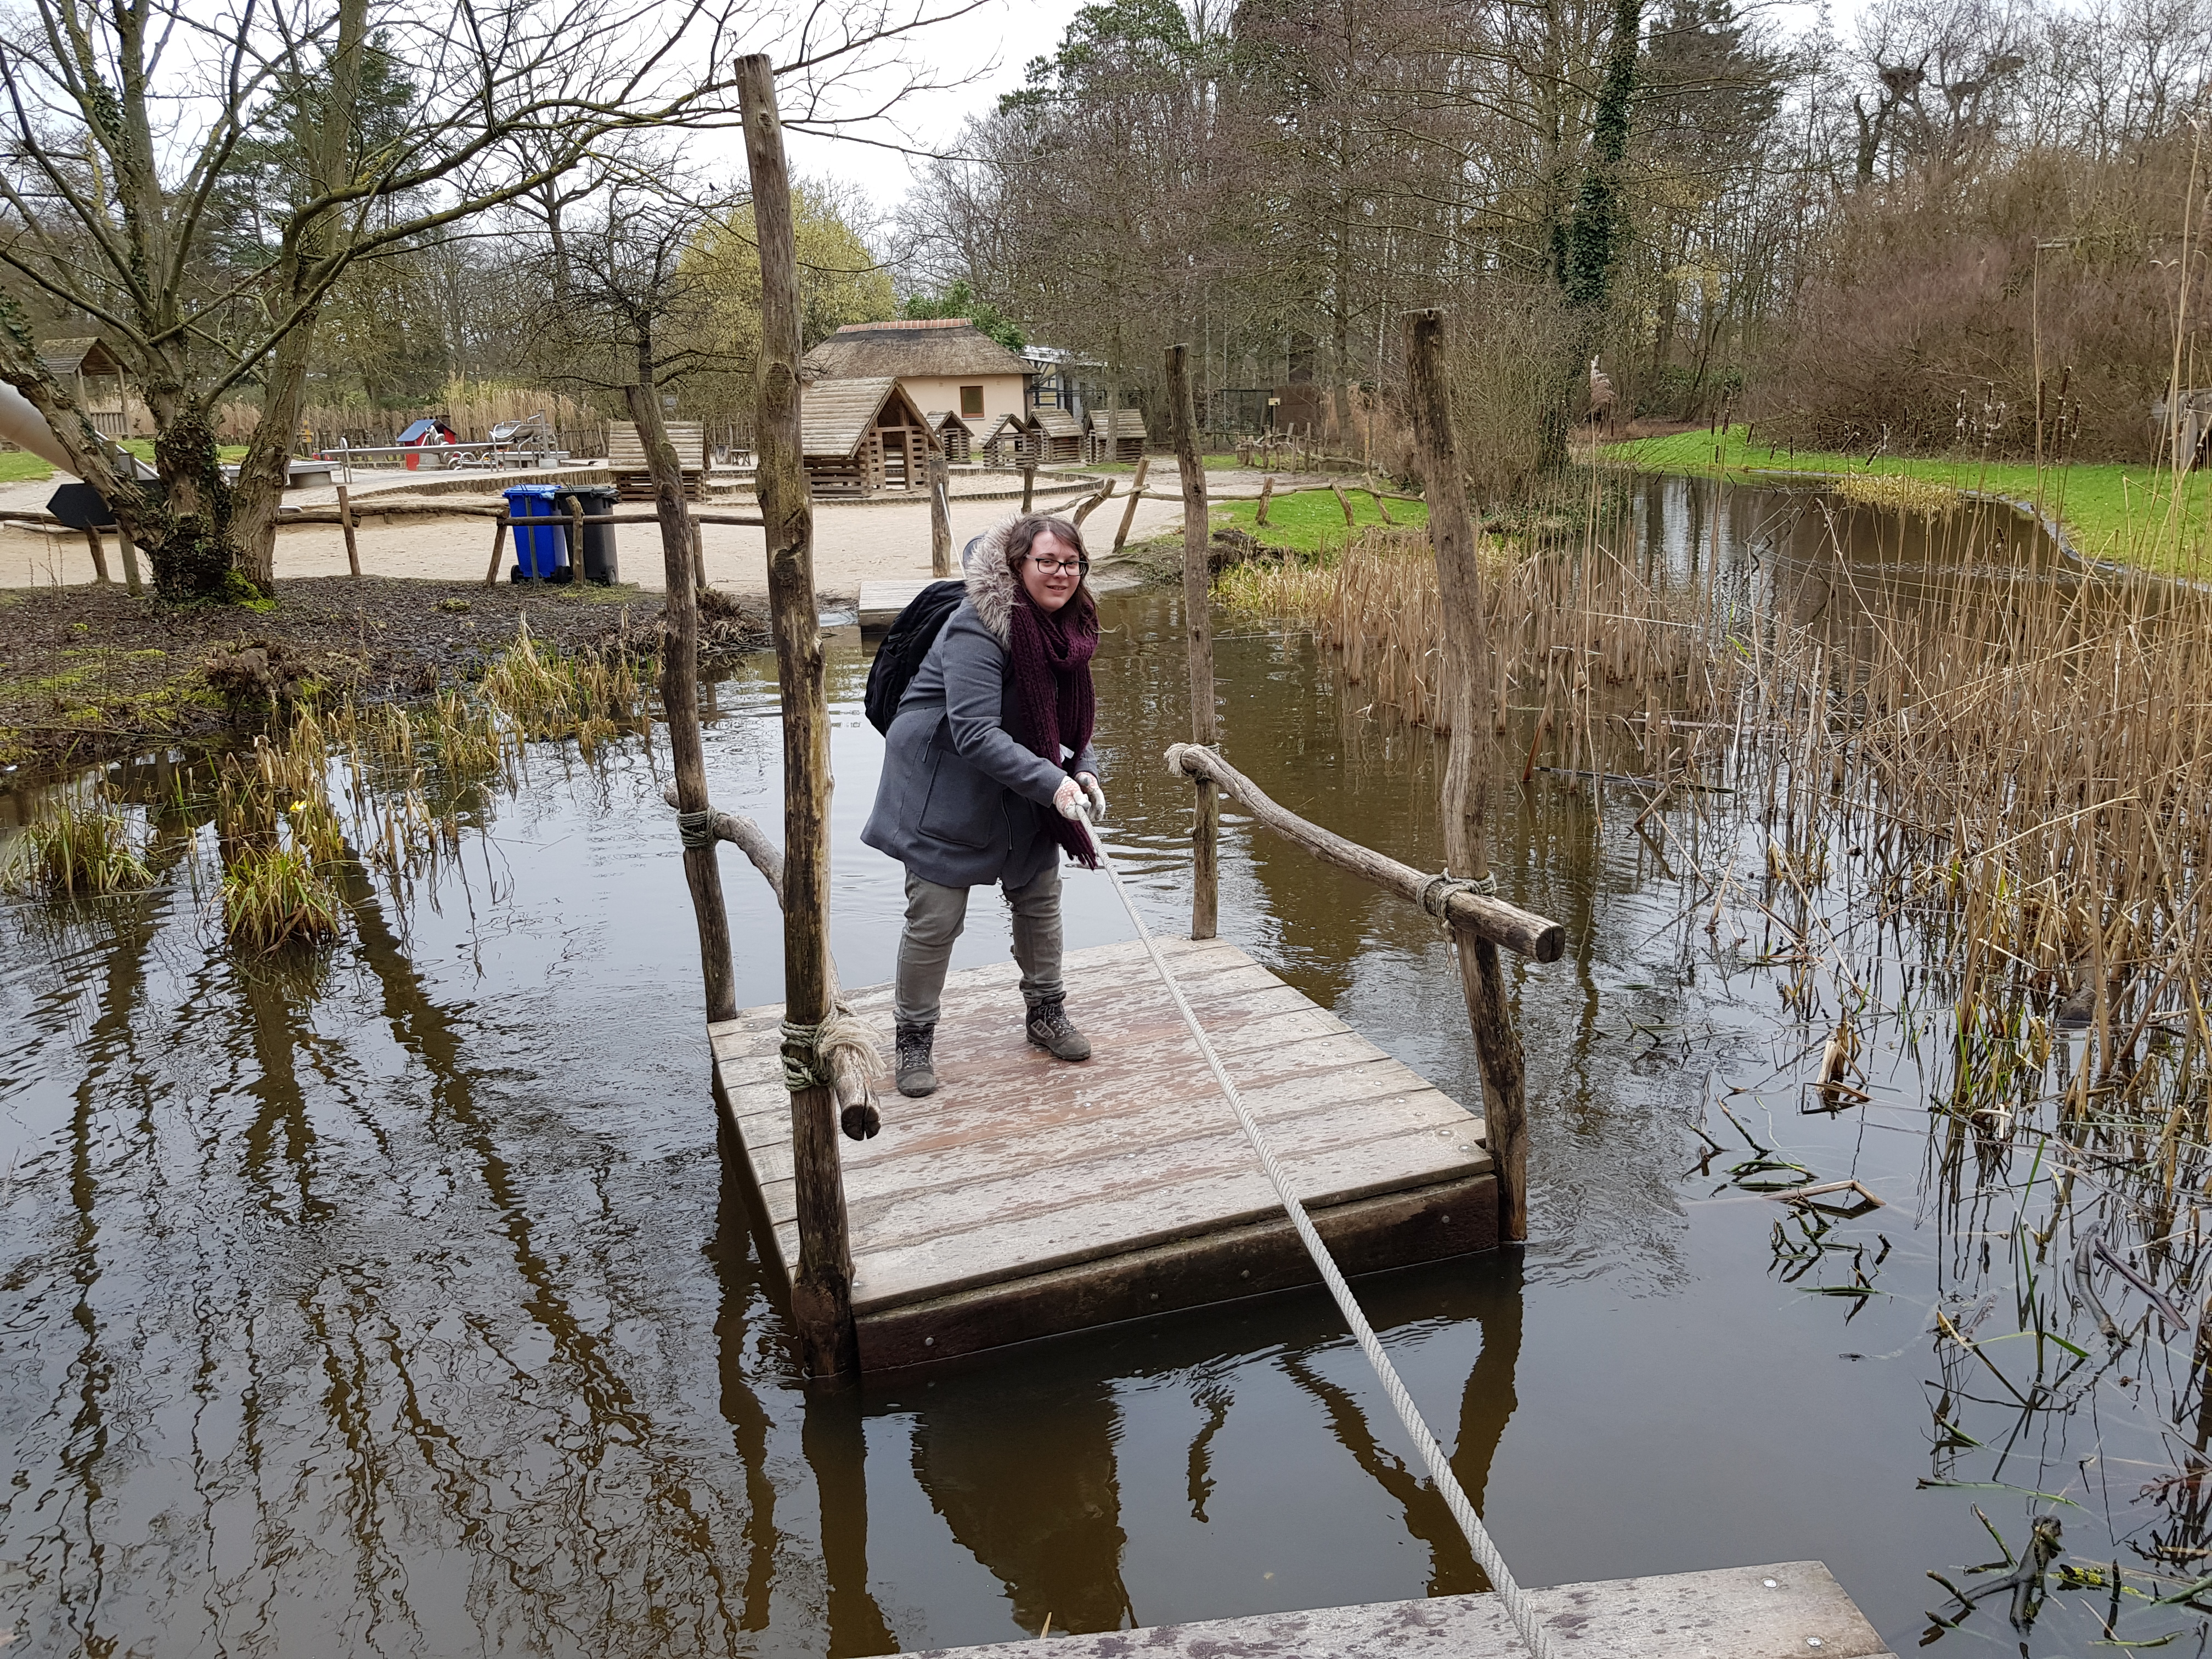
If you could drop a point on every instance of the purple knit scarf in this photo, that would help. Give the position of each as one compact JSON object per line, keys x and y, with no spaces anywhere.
{"x":1054,"y":702}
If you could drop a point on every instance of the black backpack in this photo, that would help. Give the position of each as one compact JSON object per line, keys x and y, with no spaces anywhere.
{"x":898,"y":659}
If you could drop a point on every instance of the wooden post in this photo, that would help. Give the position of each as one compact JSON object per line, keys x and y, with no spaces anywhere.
{"x":940,"y":517}
{"x":1198,"y":632}
{"x":576,"y":541}
{"x":1344,"y":501}
{"x":1267,"y":490}
{"x":1136,"y":495}
{"x":498,"y":547}
{"x":699,"y":554}
{"x":1092,"y":502}
{"x":98,"y":543}
{"x":130,"y":560}
{"x":822,"y":1287}
{"x":345,"y":522}
{"x":1467,"y":766}
{"x":1029,"y":485}
{"x":679,"y":687}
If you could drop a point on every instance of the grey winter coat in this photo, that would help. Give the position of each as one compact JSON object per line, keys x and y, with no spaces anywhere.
{"x":961,"y":798}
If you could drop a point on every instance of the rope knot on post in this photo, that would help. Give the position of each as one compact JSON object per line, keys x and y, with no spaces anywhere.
{"x":696,"y":828}
{"x":811,"y":1053}
{"x":1436,"y":892}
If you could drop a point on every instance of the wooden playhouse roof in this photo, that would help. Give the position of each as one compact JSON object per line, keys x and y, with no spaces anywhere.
{"x":834,"y":415}
{"x":943,"y":345}
{"x":1117,"y":422}
{"x":1016,"y":421}
{"x":944,"y":417}
{"x":1055,"y":423}
{"x":88,"y":355}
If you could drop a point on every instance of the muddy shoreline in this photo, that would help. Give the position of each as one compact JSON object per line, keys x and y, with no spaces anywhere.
{"x":90,"y":674}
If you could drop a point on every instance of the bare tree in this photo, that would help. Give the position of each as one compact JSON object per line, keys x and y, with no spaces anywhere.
{"x":194,"y":182}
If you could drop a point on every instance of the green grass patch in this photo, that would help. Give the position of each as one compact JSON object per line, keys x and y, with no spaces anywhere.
{"x":2124,"y":511}
{"x":143,"y":449}
{"x":21,"y":466}
{"x":1310,"y":521}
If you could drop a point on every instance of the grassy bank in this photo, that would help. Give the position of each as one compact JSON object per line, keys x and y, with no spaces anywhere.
{"x":1310,"y":521}
{"x":21,"y":466}
{"x":2121,"y":511}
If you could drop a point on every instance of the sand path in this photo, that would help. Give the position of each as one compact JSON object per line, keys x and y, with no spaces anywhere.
{"x":853,"y":541}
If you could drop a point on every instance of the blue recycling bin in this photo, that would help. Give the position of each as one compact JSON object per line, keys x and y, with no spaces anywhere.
{"x":541,"y":551}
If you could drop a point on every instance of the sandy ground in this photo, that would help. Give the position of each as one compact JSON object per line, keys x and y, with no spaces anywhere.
{"x":853,"y":544}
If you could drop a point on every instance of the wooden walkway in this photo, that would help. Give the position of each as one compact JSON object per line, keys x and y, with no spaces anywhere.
{"x":882,"y":600}
{"x":1790,"y":1610}
{"x":1028,"y":1197}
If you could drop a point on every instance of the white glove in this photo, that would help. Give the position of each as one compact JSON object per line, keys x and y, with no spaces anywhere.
{"x":1089,"y":782}
{"x":1067,"y":797}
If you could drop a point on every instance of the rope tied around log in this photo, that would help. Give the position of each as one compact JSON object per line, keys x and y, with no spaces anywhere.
{"x":811,"y":1053}
{"x":1436,"y":892}
{"x":696,"y":828}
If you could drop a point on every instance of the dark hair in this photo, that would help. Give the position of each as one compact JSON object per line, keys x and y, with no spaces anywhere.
{"x":1023,"y":536}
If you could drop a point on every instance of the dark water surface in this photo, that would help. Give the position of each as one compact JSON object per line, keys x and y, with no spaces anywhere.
{"x":403,"y":1305}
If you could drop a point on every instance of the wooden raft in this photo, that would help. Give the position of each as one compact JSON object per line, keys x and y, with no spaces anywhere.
{"x":1787,"y":1610}
{"x":1028,"y":1197}
{"x":881,"y":600}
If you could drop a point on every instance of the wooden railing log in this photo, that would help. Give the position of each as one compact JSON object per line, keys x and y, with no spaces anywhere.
{"x":1521,"y":932}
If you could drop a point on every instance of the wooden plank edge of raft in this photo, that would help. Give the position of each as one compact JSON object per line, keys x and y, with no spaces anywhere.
{"x":1777,"y":1610}
{"x":1401,"y":1229}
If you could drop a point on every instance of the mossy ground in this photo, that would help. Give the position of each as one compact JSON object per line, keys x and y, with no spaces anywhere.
{"x":2127,"y":512}
{"x":89,"y":673}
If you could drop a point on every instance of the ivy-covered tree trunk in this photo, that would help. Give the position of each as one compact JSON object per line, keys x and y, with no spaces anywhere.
{"x":185,"y":526}
{"x":1589,"y":245}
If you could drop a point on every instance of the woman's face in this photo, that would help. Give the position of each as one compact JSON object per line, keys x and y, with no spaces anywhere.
{"x":1050,"y":589}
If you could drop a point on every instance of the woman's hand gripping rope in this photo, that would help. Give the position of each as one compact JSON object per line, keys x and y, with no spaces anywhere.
{"x":1526,"y":1622}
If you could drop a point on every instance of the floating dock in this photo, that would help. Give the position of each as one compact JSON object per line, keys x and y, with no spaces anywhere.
{"x":1028,"y":1197}
{"x":1791,"y":1610}
{"x":882,"y":600}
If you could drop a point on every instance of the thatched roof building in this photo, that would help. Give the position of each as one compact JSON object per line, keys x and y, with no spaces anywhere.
{"x":942,"y":348}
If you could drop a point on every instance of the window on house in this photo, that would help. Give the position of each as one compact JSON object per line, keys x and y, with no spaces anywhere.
{"x":971,"y":400}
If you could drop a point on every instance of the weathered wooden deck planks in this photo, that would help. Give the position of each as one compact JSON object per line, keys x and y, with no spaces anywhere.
{"x":1789,"y":1610}
{"x":882,"y":600}
{"x":1028,"y":1197}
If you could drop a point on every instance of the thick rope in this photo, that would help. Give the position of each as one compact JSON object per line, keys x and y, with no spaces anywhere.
{"x":1509,"y":1593}
{"x":811,"y":1053}
{"x":1436,"y":891}
{"x":696,"y":828}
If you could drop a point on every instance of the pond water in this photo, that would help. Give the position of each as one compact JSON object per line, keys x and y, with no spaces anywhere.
{"x":402,"y":1303}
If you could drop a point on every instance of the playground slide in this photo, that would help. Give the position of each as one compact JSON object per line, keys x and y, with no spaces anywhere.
{"x":22,"y":423}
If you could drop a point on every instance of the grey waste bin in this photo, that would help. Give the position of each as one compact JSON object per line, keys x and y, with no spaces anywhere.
{"x":598,"y":538}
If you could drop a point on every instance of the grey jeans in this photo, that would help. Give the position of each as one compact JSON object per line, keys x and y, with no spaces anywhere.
{"x":934,"y":917}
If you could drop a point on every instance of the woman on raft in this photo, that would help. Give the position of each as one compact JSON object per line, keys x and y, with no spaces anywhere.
{"x":985,"y":767}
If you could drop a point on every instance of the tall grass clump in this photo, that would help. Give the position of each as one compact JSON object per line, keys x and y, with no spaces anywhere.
{"x":273,"y":896}
{"x":548,"y":694}
{"x":276,"y":833}
{"x":79,"y":849}
{"x":1264,"y":588}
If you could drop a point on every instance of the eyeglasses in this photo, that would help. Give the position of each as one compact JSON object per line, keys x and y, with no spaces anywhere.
{"x":1060,"y":567}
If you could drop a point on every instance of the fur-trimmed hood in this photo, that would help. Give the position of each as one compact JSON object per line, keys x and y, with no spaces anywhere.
{"x":991,"y":585}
